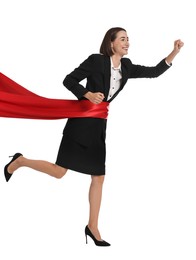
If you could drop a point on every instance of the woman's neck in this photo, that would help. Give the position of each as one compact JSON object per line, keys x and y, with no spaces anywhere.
{"x":116,"y":60}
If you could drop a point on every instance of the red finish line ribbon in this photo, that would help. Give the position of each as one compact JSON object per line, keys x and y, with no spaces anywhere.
{"x":18,"y":102}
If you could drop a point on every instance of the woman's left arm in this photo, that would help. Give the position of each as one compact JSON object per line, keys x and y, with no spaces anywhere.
{"x":178,"y":44}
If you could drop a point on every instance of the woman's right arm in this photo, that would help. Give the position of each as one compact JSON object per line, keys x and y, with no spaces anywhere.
{"x":71,"y":81}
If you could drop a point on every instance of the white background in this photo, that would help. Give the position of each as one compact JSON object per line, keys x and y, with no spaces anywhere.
{"x":148,"y":209}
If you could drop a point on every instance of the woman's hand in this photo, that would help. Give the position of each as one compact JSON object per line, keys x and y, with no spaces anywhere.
{"x":95,"y":98}
{"x":178,"y":44}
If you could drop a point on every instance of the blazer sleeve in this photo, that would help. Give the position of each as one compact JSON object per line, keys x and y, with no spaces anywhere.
{"x":71,"y":81}
{"x":139,"y":71}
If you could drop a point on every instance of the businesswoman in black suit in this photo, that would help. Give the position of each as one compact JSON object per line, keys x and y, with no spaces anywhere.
{"x":82,"y":147}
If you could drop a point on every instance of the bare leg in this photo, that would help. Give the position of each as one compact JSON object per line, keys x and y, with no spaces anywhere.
{"x":95,"y":195}
{"x":38,"y":165}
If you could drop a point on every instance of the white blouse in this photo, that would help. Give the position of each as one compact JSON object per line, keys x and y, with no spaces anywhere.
{"x":115,"y":79}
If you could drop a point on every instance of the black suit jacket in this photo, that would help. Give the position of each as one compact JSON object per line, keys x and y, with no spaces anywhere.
{"x":96,"y":69}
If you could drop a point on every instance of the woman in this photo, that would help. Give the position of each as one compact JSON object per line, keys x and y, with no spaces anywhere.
{"x":82,"y":147}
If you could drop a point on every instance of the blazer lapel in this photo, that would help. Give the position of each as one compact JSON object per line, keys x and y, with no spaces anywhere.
{"x":107,"y":74}
{"x":124,"y":75}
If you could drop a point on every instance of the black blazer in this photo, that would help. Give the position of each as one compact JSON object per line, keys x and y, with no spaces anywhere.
{"x":96,"y":69}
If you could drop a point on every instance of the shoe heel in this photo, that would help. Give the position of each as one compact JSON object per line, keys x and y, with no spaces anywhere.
{"x":6,"y":173}
{"x":97,"y":242}
{"x":86,"y":239}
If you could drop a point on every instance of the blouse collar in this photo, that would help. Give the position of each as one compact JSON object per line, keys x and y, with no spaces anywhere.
{"x":112,"y":65}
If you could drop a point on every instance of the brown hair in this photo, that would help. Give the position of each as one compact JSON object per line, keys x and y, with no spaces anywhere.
{"x":109,"y":37}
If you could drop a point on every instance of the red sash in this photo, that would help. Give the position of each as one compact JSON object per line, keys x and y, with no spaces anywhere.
{"x":18,"y":102}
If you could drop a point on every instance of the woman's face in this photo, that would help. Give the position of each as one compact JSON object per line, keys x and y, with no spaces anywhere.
{"x":120,"y":45}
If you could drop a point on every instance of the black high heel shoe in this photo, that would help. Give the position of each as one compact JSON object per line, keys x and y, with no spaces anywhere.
{"x":6,"y":173}
{"x":97,"y":242}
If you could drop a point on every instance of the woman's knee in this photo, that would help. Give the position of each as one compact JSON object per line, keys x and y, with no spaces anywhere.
{"x":98,"y":179}
{"x":60,"y":171}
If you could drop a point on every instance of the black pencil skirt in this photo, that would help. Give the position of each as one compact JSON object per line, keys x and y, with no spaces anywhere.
{"x":83,"y":147}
